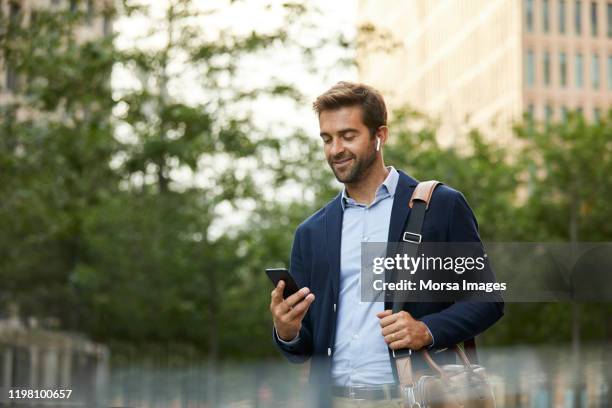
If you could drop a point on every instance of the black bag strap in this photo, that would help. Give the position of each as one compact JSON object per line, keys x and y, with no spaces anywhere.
{"x":419,"y":203}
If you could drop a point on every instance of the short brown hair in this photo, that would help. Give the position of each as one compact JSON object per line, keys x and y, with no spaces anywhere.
{"x":345,"y":94}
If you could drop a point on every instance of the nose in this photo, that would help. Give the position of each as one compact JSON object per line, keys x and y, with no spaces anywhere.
{"x":336,"y":147}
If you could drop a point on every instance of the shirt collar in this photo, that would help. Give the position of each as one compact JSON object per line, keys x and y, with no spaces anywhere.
{"x":387,"y":188}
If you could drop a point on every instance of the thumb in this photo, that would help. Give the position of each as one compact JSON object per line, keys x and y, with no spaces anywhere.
{"x":386,"y":313}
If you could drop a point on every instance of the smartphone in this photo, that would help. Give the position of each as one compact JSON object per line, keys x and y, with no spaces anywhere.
{"x":282,"y":274}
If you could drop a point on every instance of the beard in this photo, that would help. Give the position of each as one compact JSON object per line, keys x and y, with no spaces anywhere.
{"x":358,"y":169}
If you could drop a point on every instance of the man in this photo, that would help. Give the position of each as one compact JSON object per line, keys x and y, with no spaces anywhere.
{"x":351,"y":342}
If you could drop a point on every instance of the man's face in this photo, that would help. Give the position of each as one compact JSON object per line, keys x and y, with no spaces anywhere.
{"x":349,"y":148}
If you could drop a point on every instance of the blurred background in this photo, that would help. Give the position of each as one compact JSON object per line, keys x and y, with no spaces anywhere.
{"x":157,"y":156}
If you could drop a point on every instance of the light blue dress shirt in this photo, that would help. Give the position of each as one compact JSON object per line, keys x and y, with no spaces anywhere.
{"x":360,"y":354}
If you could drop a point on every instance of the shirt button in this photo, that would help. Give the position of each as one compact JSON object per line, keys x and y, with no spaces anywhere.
{"x":355,"y":337}
{"x":366,"y":238}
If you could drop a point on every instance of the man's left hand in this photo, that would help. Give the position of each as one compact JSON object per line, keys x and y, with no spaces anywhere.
{"x":401,"y":331}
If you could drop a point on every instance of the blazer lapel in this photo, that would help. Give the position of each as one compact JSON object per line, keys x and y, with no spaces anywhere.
{"x":333,"y":236}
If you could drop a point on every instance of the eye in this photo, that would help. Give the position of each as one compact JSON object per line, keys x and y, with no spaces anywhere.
{"x":349,"y":136}
{"x":326,"y":139}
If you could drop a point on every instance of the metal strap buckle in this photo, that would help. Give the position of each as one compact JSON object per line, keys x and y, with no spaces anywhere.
{"x":412,"y":237}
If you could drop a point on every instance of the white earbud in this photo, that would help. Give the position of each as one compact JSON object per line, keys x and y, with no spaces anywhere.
{"x":378,"y":144}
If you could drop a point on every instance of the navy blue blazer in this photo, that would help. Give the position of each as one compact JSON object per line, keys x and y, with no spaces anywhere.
{"x":315,"y":263}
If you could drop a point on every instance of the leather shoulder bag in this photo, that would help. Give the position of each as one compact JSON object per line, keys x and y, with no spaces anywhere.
{"x":451,"y":385}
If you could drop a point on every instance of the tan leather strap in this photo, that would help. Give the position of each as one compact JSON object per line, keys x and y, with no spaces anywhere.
{"x":434,"y":366}
{"x":423,"y":192}
{"x":404,"y":371}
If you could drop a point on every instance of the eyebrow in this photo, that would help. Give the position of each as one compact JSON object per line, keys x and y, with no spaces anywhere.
{"x":340,"y":132}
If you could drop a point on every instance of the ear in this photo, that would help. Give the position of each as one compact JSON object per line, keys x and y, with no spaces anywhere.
{"x":383,"y":133}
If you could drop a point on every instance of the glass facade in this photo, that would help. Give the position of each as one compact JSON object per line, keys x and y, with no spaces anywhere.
{"x":595,"y":71}
{"x":530,"y":68}
{"x":547,"y":68}
{"x":609,"y":19}
{"x":594,"y":18}
{"x":546,"y":15}
{"x":529,"y":15}
{"x":579,"y":71}
{"x":563,"y":69}
{"x":578,"y":16}
{"x":610,"y":72}
{"x":561,"y":11}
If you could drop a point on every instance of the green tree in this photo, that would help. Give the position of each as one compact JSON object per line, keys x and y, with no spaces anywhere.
{"x":476,"y":167}
{"x":55,"y":145}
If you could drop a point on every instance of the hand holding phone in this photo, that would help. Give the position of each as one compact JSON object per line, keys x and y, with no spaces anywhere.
{"x":278,"y":274}
{"x":288,"y":313}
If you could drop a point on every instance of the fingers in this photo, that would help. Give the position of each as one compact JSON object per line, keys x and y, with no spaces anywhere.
{"x":297,"y":297}
{"x":277,"y":292}
{"x":392,"y":328}
{"x":386,"y":313}
{"x":400,"y":335}
{"x":400,"y":344}
{"x":299,"y":310}
{"x":390,"y":319}
{"x":280,"y":306}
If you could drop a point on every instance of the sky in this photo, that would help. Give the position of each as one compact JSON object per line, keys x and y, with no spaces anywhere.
{"x":338,"y":16}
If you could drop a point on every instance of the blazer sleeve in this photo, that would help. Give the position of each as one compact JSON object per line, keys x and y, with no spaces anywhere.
{"x":462,"y":320}
{"x":300,"y":349}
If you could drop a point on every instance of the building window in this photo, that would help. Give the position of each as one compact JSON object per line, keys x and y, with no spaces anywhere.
{"x":107,"y":26}
{"x":546,"y":15}
{"x":90,"y":10}
{"x":529,"y":15}
{"x":563,"y":69}
{"x":610,"y":71}
{"x":530,"y":68}
{"x":609,"y":20}
{"x":578,"y":16}
{"x":547,"y":68}
{"x":14,"y":12}
{"x":548,"y":113}
{"x":563,"y":113}
{"x":561,"y":16}
{"x":73,"y":5}
{"x":595,"y":71}
{"x":530,"y":112}
{"x":11,"y":77}
{"x":594,"y":18}
{"x":597,"y":114}
{"x":579,"y":111}
{"x":579,"y":71}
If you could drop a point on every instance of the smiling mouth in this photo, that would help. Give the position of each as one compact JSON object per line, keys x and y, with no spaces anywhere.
{"x":342,"y":162}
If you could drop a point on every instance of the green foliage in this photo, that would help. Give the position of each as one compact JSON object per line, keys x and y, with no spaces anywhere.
{"x":479,"y":169}
{"x":52,"y":131}
{"x":120,"y":211}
